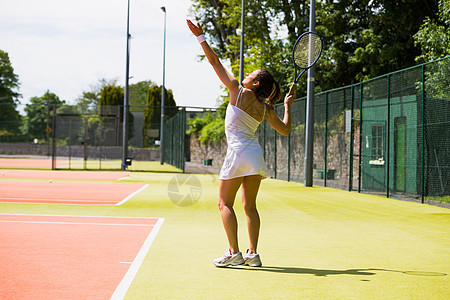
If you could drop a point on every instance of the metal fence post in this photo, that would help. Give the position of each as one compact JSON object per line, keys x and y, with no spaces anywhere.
{"x":422,"y":192}
{"x":275,"y":155}
{"x":54,"y":138}
{"x":352,"y":133}
{"x":325,"y":146}
{"x":183,"y":135}
{"x":388,"y":142}
{"x":309,"y":124}
{"x":264,"y":140}
{"x":289,"y":157}
{"x":360,"y":135}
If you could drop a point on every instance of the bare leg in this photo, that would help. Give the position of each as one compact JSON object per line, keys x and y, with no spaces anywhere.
{"x":250,"y":187}
{"x":227,"y":194}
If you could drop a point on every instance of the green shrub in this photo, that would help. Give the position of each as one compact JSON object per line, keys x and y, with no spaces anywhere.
{"x":196,"y":124}
{"x":213,"y":132}
{"x":211,"y":126}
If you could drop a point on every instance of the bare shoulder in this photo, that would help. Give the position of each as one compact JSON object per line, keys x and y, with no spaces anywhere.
{"x":270,"y":112}
{"x":234,"y":92}
{"x":247,"y":93}
{"x":269,"y":107}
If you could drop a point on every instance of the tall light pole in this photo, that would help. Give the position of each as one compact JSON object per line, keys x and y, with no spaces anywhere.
{"x":241,"y":57}
{"x":161,"y":139}
{"x":309,"y":136}
{"x":126,"y":94}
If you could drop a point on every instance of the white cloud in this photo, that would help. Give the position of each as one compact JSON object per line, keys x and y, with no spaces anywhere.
{"x":66,"y":46}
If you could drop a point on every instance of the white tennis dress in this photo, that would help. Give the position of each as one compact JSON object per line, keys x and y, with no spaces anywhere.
{"x":244,"y":154}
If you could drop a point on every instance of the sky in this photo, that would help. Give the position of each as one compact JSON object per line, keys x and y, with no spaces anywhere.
{"x":67,"y":46}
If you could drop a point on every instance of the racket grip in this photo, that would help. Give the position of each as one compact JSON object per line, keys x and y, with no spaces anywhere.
{"x":292,"y":89}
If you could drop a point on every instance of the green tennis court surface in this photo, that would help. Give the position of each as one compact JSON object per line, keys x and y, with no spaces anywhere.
{"x":315,"y":243}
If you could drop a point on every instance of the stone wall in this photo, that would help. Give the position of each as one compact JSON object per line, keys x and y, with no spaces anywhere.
{"x":200,"y":152}
{"x":25,"y":149}
{"x":338,"y":153}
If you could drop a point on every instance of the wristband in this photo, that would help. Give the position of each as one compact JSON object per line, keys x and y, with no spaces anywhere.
{"x":201,"y":38}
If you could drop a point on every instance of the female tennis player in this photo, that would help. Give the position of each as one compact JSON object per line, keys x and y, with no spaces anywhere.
{"x":244,"y":165}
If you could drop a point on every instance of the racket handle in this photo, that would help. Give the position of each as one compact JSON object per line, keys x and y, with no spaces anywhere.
{"x":292,"y":89}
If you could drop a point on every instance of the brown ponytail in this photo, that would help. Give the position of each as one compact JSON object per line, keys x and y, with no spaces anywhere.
{"x":268,"y":88}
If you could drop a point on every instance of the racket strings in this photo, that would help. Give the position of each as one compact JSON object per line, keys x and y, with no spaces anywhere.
{"x":307,"y":50}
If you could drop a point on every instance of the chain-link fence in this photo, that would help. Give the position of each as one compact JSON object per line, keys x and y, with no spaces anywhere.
{"x":73,"y":137}
{"x":389,"y":135}
{"x":94,"y":140}
{"x":175,"y":140}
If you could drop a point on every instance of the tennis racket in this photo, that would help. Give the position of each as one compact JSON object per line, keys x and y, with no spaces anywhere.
{"x":306,"y":52}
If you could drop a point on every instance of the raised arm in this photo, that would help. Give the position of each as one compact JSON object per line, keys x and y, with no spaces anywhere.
{"x":282,"y":126}
{"x":226,"y":77}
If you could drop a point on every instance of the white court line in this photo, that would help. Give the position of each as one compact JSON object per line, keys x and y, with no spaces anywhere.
{"x":76,"y":223}
{"x":124,"y":285}
{"x":131,"y":195}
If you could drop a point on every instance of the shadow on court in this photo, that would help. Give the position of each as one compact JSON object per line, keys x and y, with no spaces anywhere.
{"x":325,"y":272}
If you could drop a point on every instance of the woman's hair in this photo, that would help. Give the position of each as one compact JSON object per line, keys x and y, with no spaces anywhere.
{"x":268,"y":88}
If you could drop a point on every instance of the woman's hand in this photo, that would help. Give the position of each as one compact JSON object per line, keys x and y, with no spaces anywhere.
{"x":290,"y":97}
{"x":226,"y":77}
{"x":195,"y":29}
{"x":289,"y":100}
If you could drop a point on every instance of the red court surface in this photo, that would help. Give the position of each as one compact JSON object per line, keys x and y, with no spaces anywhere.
{"x":67,"y":192}
{"x":71,"y":257}
{"x":63,"y":175}
{"x":26,"y":163}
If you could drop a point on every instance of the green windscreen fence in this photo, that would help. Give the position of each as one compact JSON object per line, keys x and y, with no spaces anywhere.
{"x":434,"y":134}
{"x":175,"y":140}
{"x":389,"y":135}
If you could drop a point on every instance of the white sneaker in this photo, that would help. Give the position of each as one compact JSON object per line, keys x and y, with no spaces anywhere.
{"x":252,"y":260}
{"x":229,"y":259}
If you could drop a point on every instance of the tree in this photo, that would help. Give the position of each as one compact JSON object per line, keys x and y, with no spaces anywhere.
{"x":106,"y":98}
{"x":152,"y":115}
{"x":363,"y":39}
{"x":138,"y":93}
{"x":40,"y":115}
{"x":111,"y":103}
{"x":111,"y":96}
{"x":263,"y":48}
{"x":210,"y":126}
{"x":88,"y":102}
{"x":434,"y":41}
{"x":433,"y":37}
{"x":9,"y":83}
